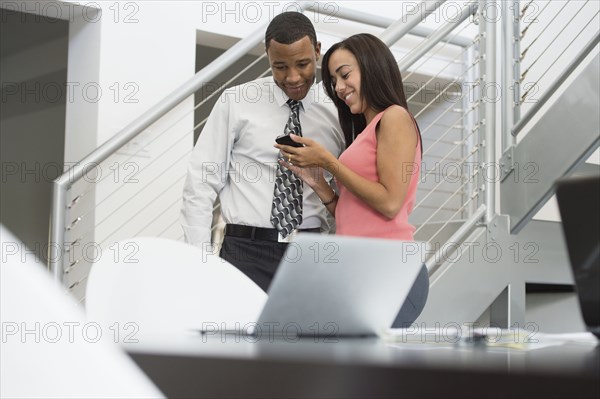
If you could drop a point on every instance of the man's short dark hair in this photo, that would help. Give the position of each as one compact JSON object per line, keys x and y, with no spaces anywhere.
{"x":289,"y":27}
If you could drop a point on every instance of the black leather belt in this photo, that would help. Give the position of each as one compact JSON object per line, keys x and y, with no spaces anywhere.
{"x":258,"y":233}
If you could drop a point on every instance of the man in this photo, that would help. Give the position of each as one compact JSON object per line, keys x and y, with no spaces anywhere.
{"x":235,"y":157}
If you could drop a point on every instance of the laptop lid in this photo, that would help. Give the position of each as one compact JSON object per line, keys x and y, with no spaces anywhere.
{"x":339,"y":286}
{"x":578,"y":199}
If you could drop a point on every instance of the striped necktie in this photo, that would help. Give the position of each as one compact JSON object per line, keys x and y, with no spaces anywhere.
{"x":286,"y":210}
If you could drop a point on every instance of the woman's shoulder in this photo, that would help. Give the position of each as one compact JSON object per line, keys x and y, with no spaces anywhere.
{"x":395,"y":114}
{"x":397,"y":123}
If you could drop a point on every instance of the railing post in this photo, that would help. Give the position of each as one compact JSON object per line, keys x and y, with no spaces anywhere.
{"x":56,"y":250}
{"x":511,"y":70}
{"x":488,"y":17}
{"x":516,"y":53}
{"x":470,"y":123}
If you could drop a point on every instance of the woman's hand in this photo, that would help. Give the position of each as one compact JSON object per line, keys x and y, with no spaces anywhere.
{"x":311,"y":155}
{"x":310,"y":175}
{"x":308,"y":163}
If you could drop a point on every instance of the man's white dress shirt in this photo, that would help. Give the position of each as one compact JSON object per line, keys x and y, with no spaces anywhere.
{"x":234,"y":157}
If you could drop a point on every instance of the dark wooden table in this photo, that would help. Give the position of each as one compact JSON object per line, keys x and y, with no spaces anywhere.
{"x":231,"y":365}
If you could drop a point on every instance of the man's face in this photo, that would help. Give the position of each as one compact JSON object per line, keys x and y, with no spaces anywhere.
{"x":294,"y":66}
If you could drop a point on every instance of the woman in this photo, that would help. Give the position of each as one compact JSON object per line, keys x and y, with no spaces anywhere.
{"x":378,"y":173}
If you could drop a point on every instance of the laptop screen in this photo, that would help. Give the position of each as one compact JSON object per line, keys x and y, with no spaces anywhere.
{"x":340,"y":286}
{"x":578,"y":201}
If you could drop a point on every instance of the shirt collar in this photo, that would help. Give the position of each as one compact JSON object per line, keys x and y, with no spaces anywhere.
{"x":311,"y":97}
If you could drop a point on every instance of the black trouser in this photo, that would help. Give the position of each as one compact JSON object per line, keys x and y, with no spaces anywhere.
{"x":257,"y":259}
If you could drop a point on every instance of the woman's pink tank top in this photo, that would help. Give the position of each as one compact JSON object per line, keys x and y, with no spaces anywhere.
{"x":353,"y":216}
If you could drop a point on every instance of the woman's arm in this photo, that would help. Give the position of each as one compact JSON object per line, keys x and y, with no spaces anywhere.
{"x":396,"y":146}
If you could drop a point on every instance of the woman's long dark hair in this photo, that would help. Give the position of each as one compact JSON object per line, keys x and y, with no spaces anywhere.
{"x":380,"y":86}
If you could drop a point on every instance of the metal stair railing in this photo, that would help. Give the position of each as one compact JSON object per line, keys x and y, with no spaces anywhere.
{"x":533,"y":51}
{"x":571,"y":10}
{"x":498,"y":285}
{"x":544,"y":43}
{"x":531,"y":112}
{"x":57,"y":247}
{"x":453,"y":135}
{"x":475,"y":119}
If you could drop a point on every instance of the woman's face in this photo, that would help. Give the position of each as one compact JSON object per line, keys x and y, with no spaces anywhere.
{"x":345,"y":77}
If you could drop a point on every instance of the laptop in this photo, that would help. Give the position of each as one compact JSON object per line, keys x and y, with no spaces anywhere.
{"x":333,"y":286}
{"x":578,"y":199}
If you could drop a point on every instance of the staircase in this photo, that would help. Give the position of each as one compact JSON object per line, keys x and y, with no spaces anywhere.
{"x":556,"y":135}
{"x":480,"y":254}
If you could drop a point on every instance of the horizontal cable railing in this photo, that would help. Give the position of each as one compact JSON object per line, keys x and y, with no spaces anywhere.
{"x":171,"y":161}
{"x":455,"y":240}
{"x":592,"y":44}
{"x":156,"y":160}
{"x":550,"y":36}
{"x":449,"y":121}
{"x":62,"y":233}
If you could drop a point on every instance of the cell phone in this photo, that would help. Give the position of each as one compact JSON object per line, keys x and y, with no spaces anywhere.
{"x":287,"y":140}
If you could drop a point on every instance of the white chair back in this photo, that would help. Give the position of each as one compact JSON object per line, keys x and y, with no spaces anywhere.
{"x":165,"y":286}
{"x":49,"y":349}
